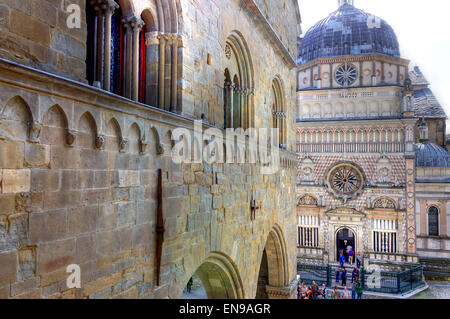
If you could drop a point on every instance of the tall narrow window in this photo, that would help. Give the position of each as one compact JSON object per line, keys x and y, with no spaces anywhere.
{"x":433,"y":221}
{"x":227,"y":100}
{"x":142,"y":65}
{"x":236,"y":104}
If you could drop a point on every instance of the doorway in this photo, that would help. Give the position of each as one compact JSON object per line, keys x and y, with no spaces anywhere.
{"x":345,"y":239}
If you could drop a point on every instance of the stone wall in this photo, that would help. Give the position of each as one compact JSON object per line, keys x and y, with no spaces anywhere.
{"x":35,"y":33}
{"x":67,"y":198}
{"x":207,"y":25}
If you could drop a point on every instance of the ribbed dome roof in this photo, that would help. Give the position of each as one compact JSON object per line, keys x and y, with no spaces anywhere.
{"x":431,"y":155}
{"x":348,"y":31}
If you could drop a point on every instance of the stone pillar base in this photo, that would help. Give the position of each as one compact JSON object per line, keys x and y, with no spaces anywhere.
{"x":289,"y":292}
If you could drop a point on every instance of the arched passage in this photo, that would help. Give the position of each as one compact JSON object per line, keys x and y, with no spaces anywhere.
{"x":273,"y":271}
{"x":220,"y":278}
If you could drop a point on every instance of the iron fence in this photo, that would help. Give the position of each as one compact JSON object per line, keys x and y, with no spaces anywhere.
{"x":382,"y":282}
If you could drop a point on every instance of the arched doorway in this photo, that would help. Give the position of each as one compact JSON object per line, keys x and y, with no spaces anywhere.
{"x":345,"y":239}
{"x":218,"y":278}
{"x":273,"y":271}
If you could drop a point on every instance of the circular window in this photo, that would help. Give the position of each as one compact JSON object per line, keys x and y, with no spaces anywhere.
{"x":346,"y":75}
{"x":345,"y":181}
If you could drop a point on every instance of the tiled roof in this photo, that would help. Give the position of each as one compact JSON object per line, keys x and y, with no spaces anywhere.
{"x":431,"y":155}
{"x":426,"y":105}
{"x":417,"y":77}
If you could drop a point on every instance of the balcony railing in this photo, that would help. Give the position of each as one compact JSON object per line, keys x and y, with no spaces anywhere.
{"x":371,"y":147}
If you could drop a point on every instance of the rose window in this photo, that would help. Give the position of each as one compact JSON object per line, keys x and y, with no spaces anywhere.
{"x":346,"y":75}
{"x":345,"y":181}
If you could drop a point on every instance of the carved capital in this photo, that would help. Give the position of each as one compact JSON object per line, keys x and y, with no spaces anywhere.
{"x":134,"y":23}
{"x":143,"y":147}
{"x":99,"y":141}
{"x":70,"y":138}
{"x":152,"y":38}
{"x":35,"y":132}
{"x":160,"y":149}
{"x":110,"y":6}
{"x":123,"y":145}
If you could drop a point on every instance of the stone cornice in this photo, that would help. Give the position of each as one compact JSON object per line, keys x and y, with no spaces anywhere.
{"x":273,"y":35}
{"x":41,"y":82}
{"x":355,"y":58}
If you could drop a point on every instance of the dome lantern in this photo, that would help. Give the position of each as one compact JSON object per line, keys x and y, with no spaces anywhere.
{"x":342,"y":2}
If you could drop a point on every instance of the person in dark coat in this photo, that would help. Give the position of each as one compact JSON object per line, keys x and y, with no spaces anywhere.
{"x":342,"y":260}
{"x":358,"y":262}
{"x":338,"y":275}
{"x":355,"y":274}
{"x":315,"y":290}
{"x":189,"y":285}
{"x":344,"y":277}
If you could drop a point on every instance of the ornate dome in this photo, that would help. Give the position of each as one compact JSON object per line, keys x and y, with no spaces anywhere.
{"x":431,"y":155}
{"x":348,"y":31}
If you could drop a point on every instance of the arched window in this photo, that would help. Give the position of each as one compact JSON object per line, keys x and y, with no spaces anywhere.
{"x":433,"y":221}
{"x":279,"y":113}
{"x":105,"y":46}
{"x":238,"y":84}
{"x":232,"y":101}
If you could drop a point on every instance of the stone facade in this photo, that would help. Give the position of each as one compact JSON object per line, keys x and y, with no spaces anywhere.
{"x":79,"y":165}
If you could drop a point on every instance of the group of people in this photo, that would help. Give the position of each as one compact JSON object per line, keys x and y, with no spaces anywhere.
{"x":315,"y":292}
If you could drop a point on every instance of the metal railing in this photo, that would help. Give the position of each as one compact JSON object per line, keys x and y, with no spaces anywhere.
{"x":381,"y":282}
{"x":372,"y":147}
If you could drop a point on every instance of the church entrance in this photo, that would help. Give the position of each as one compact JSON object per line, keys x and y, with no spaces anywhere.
{"x":345,"y":240}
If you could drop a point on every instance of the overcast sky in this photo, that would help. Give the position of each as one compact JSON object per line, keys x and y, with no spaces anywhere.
{"x":422,"y":28}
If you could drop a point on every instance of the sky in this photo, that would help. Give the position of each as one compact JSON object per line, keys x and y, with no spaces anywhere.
{"x":422,"y":28}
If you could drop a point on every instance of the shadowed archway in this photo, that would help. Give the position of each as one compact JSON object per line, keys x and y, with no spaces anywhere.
{"x":273,"y":271}
{"x":220,"y":278}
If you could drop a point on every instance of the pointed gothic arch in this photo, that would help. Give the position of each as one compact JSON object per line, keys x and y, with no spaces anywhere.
{"x":238,"y":83}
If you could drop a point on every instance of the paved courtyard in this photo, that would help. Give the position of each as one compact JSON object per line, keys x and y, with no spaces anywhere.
{"x":437,"y":290}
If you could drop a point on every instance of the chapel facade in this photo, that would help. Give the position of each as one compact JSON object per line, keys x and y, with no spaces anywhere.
{"x":373,"y":172}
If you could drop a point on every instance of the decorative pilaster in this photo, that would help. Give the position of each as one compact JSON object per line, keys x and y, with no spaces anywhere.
{"x":174,"y":104}
{"x":162,"y":66}
{"x":152,"y":42}
{"x":135,"y":26}
{"x":98,"y":7}
{"x":128,"y":57}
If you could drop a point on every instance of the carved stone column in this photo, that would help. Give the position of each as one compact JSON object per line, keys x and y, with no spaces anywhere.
{"x":162,"y":66}
{"x":152,"y":68}
{"x":128,"y":58}
{"x":137,"y":25}
{"x":173,"y":105}
{"x":110,"y":6}
{"x":98,"y":4}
